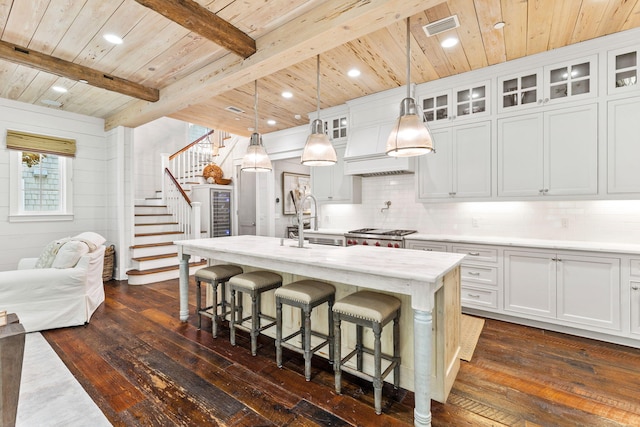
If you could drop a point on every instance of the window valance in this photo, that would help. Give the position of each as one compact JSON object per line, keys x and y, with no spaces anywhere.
{"x":24,"y":141}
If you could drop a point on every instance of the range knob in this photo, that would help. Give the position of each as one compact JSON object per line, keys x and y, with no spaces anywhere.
{"x":365,"y":243}
{"x":390,"y":245}
{"x":377,"y":243}
{"x":396,"y":245}
{"x":349,"y":242}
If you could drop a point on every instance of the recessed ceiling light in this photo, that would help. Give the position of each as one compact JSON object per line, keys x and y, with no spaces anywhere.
{"x":271,"y":122}
{"x":449,"y":42}
{"x":51,"y":103}
{"x":112,"y":38}
{"x":287,"y":94}
{"x":498,"y":25}
{"x":354,"y":72}
{"x":59,"y":89}
{"x":82,"y":81}
{"x":297,"y":117}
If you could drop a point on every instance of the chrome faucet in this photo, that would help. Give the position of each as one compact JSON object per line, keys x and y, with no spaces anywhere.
{"x":315,"y":218}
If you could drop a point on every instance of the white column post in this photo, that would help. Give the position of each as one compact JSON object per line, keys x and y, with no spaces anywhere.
{"x":422,"y":353}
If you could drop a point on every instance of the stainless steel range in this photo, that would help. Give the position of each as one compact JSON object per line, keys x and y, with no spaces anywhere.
{"x":377,"y":237}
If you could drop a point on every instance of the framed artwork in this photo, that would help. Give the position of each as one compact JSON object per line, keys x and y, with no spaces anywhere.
{"x":294,"y":187}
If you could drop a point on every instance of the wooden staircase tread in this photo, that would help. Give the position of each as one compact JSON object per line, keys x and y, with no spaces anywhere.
{"x":151,"y":245}
{"x":153,"y":257}
{"x":160,"y":214}
{"x":162,"y":269}
{"x":162,"y":233}
{"x":149,"y":206}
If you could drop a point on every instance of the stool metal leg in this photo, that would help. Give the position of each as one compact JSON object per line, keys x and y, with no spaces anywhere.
{"x":337,"y":356}
{"x":396,"y":350}
{"x":232,"y":321}
{"x":330,"y":331}
{"x":198,"y":304}
{"x":279,"y":332}
{"x":359,"y":346}
{"x":255,"y":322}
{"x":377,"y":358}
{"x":214,"y":319}
{"x":307,"y":343}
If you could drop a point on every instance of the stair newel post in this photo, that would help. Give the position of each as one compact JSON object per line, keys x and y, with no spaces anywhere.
{"x":166,"y":164}
{"x":195,"y":219}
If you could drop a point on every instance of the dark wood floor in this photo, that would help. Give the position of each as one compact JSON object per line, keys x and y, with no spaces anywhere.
{"x":142,"y":366}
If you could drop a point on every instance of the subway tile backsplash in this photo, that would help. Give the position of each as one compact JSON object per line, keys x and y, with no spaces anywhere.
{"x":589,"y":220}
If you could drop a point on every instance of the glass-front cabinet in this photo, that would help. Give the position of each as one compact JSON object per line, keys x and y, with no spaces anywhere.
{"x":336,"y":127}
{"x":454,"y":104}
{"x":623,"y":70}
{"x":556,"y":83}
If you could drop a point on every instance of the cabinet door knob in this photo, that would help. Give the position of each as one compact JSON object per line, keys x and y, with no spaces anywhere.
{"x":540,"y":101}
{"x":541,"y":191}
{"x":636,"y":288}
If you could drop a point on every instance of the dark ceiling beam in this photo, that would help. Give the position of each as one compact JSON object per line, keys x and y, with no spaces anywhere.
{"x":62,"y":68}
{"x":202,"y":21}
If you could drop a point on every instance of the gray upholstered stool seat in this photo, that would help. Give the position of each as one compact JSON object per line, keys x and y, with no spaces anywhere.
{"x":253,"y":284}
{"x":305,"y":295}
{"x":214,"y":276}
{"x":373,"y":310}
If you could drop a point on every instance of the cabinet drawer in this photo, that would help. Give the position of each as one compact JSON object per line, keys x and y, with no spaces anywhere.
{"x":477,"y":254}
{"x":635,"y":267}
{"x":479,"y":274}
{"x":427,"y":246}
{"x":479,"y":297}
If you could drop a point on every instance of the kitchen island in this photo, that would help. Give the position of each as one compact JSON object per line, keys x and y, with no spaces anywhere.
{"x":431,"y":281}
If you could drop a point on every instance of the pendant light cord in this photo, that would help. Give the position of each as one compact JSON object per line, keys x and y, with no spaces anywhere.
{"x":408,"y":59}
{"x":318,"y":84}
{"x":255,"y":105}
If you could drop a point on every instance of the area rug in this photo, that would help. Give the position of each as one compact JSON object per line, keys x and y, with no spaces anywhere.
{"x":470,"y":329}
{"x":49,"y":393}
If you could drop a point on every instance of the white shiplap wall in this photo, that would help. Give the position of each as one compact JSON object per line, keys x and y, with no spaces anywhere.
{"x":586,"y":220}
{"x":90,"y":203}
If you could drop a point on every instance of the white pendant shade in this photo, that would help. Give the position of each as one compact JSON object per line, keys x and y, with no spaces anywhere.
{"x":256,"y":158}
{"x":410,"y":135}
{"x":318,"y":151}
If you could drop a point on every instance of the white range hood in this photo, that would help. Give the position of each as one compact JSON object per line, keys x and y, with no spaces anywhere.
{"x":365,"y":153}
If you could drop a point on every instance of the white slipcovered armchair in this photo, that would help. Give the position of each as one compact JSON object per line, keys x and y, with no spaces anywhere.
{"x":63,"y":287}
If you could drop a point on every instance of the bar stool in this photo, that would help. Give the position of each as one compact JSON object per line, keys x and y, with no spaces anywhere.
{"x":373,"y":310}
{"x":214,"y":276}
{"x":306,"y":295}
{"x":253,"y":284}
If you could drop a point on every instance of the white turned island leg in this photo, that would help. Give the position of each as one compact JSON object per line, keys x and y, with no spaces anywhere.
{"x":422,"y":323}
{"x":184,"y":287}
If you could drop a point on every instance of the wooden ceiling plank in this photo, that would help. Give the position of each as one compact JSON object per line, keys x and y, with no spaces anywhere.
{"x":88,"y":23}
{"x":589,"y":19}
{"x":23,"y":21}
{"x":33,"y":59}
{"x":615,"y":16}
{"x":200,"y":20}
{"x":515,"y":31}
{"x":540,"y":16}
{"x":19,"y":82}
{"x":38,"y":87}
{"x":57,"y":18}
{"x":334,"y":23}
{"x":633,"y":20}
{"x":430,"y":46}
{"x":562,"y":29}
{"x":476,"y":26}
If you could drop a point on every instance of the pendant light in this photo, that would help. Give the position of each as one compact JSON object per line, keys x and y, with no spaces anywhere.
{"x":256,"y":158}
{"x":318,"y":151}
{"x":410,"y":135}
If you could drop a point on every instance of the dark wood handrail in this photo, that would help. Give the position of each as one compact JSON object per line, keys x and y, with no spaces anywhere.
{"x":186,"y":147}
{"x":175,"y":181}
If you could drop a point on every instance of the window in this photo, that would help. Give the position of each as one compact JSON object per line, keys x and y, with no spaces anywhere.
{"x":41,"y":187}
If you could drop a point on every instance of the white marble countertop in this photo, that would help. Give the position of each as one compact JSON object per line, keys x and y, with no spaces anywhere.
{"x":577,"y":245}
{"x":331,"y":231}
{"x":316,"y":260}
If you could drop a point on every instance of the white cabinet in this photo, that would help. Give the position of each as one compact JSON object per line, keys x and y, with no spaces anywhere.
{"x":456,"y":103}
{"x":623,"y":173}
{"x":545,"y":86}
{"x":329,"y":184}
{"x":479,"y":276}
{"x":336,"y":127}
{"x":549,"y":153}
{"x":623,"y":69}
{"x":634,"y":285}
{"x":461,"y":165}
{"x":422,"y":245}
{"x":567,"y":287}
